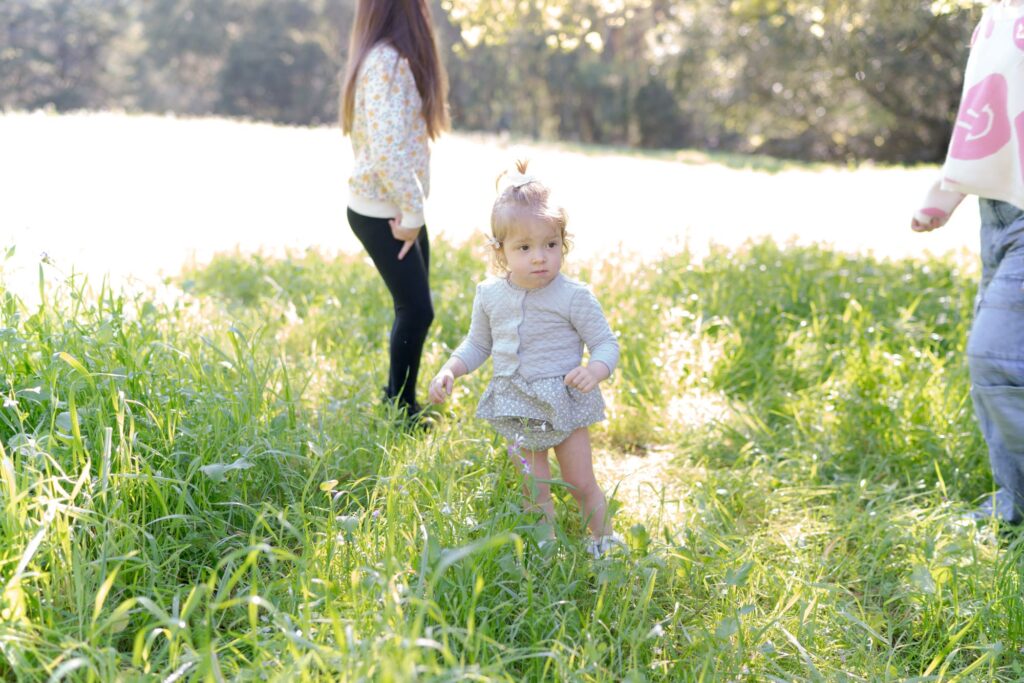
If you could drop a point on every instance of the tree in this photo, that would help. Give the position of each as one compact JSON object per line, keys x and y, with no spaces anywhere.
{"x":283,"y":64}
{"x":55,"y":52}
{"x":810,"y":79}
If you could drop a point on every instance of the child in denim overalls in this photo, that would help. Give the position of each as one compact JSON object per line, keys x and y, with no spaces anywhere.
{"x":986,"y":158}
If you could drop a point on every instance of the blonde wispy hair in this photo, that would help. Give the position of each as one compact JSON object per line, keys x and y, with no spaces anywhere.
{"x":523,"y":200}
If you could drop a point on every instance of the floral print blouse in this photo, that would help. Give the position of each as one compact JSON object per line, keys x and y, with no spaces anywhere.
{"x":389,"y":140}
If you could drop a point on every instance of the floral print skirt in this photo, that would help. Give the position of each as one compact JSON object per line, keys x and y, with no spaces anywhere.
{"x":538,"y":414}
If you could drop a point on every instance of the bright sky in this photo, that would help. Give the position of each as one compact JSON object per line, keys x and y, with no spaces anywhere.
{"x":138,"y":196}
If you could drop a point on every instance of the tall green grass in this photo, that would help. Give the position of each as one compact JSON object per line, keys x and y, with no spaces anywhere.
{"x":202,"y":484}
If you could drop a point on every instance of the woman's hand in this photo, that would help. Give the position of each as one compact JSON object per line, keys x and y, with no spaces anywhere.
{"x":583,"y":378}
{"x":442,"y":385}
{"x":407,"y":235}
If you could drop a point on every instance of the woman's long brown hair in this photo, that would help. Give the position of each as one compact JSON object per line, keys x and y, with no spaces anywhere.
{"x":405,"y":24}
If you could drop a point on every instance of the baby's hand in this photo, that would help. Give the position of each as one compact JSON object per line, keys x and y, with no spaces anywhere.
{"x":441,"y":386}
{"x":582,"y":378}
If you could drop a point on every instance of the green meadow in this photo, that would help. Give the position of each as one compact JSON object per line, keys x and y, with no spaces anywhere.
{"x":199,"y":482}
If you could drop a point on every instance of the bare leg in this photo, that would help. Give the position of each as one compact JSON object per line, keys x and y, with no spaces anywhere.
{"x":537,"y":494}
{"x":574,"y":458}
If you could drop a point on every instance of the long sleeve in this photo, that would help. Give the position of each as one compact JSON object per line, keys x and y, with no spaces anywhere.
{"x":586,"y":316}
{"x":392,"y":105}
{"x":476,"y":347}
{"x":938,"y":203}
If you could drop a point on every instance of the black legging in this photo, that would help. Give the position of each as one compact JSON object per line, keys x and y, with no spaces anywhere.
{"x":408,"y":281}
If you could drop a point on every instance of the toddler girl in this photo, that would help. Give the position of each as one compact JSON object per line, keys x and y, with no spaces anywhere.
{"x":986,"y":158}
{"x":534,"y":321}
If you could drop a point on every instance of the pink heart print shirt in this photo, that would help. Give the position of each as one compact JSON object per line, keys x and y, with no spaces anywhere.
{"x":986,"y":151}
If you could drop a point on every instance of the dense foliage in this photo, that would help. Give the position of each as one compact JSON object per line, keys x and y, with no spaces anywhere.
{"x":796,"y":78}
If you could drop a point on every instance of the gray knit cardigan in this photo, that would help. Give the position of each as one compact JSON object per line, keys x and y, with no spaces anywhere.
{"x":538,"y":333}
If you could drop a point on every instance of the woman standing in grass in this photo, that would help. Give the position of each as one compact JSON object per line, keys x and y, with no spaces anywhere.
{"x":393,"y":103}
{"x":986,"y":158}
{"x":535,"y":322}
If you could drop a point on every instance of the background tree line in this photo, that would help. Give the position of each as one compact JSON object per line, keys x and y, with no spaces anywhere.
{"x":807,"y":79}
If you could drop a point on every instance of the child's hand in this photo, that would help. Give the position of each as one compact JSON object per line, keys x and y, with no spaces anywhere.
{"x":918,"y":224}
{"x":407,"y":236}
{"x":937,"y":207}
{"x":441,"y":386}
{"x":582,"y":378}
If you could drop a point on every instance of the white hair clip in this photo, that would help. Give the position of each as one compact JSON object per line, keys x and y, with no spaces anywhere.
{"x":517,"y":179}
{"x":495,"y":244}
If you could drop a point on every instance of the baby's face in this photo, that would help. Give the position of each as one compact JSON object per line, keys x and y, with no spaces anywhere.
{"x":534,"y":254}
